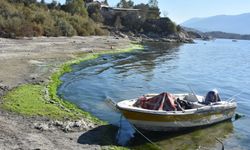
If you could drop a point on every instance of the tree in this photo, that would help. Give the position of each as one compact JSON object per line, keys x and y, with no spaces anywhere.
{"x":42,"y":1}
{"x":53,"y":4}
{"x":153,"y":13}
{"x":153,"y":3}
{"x":94,"y":13}
{"x":130,"y":3}
{"x":106,"y":2}
{"x":125,"y":4}
{"x":147,"y":12}
{"x":25,"y":2}
{"x":75,"y":7}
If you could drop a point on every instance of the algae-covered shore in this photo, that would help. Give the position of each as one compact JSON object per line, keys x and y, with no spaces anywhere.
{"x":32,"y":116}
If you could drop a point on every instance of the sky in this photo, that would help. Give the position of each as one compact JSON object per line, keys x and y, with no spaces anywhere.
{"x":182,"y":10}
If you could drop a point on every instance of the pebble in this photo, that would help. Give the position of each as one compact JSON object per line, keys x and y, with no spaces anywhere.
{"x":67,"y":126}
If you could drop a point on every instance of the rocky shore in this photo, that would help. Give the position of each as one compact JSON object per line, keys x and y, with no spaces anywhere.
{"x":178,"y":37}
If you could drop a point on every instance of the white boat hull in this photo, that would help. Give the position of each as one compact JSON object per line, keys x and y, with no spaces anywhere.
{"x":156,"y":120}
{"x":177,"y":125}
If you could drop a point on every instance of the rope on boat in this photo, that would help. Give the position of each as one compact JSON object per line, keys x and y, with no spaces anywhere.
{"x":230,"y":99}
{"x":120,"y":126}
{"x":146,"y":137}
{"x":222,"y":148}
{"x":140,"y":133}
{"x":111,"y":104}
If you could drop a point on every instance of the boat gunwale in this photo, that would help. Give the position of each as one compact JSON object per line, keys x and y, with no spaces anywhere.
{"x":202,"y":110}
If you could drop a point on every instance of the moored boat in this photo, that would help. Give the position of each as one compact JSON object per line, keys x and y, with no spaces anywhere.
{"x":165,"y":112}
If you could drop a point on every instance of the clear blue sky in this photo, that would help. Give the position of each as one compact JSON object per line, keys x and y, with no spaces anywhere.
{"x":182,"y":10}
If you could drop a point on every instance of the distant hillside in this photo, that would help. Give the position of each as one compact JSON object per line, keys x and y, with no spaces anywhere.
{"x":194,"y":33}
{"x":239,"y":24}
{"x":224,"y":35}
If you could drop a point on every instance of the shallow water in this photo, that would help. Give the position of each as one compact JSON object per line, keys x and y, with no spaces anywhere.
{"x":220,"y":64}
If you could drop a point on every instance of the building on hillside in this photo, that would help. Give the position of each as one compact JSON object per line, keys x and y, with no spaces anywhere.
{"x":112,"y":15}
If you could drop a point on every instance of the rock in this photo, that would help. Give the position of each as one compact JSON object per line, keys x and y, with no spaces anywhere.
{"x":77,"y":124}
{"x":120,"y":34}
{"x":168,"y":40}
{"x":207,"y":38}
{"x":3,"y":89}
{"x":67,"y":126}
{"x":133,"y":38}
{"x":144,"y":36}
{"x":58,"y":123}
{"x":130,"y":34}
{"x":41,"y":126}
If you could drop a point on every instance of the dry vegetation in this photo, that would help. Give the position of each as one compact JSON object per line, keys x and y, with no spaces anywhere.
{"x":21,"y":18}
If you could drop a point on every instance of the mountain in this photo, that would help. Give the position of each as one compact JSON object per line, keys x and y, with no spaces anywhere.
{"x":239,"y":24}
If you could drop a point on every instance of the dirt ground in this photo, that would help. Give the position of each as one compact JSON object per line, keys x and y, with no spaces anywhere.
{"x":34,"y":59}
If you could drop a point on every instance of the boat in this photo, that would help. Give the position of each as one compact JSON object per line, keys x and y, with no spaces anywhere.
{"x":170,"y":112}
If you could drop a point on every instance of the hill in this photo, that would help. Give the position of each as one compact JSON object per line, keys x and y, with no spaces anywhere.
{"x":238,"y":24}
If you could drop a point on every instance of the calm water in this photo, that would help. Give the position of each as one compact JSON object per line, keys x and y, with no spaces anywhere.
{"x":220,"y":64}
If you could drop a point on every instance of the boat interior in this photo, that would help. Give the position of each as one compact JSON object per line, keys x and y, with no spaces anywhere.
{"x":175,"y":102}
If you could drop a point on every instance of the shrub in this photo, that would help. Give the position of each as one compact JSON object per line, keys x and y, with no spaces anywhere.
{"x":97,"y":17}
{"x":39,"y":18}
{"x":37,"y":30}
{"x":76,"y":7}
{"x":26,"y":29}
{"x":50,"y":29}
{"x":99,"y":31}
{"x":65,"y":28}
{"x":78,"y":23}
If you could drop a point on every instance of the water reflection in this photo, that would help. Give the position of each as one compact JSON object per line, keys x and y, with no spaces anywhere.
{"x":145,"y":62}
{"x":191,"y":139}
{"x":199,"y":138}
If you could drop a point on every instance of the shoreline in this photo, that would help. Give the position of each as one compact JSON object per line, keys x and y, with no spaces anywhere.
{"x":39,"y":126}
{"x":55,"y":81}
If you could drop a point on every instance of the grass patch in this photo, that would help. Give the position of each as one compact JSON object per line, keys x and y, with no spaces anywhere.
{"x":55,"y":82}
{"x":29,"y":100}
{"x":114,"y":148}
{"x":146,"y":146}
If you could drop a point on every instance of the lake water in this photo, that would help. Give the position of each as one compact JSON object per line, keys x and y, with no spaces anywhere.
{"x":205,"y":65}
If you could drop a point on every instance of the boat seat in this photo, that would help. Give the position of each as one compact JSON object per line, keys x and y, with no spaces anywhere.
{"x":190,"y":98}
{"x":197,"y":105}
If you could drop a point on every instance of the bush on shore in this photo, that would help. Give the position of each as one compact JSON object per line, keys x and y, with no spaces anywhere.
{"x":18,"y":19}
